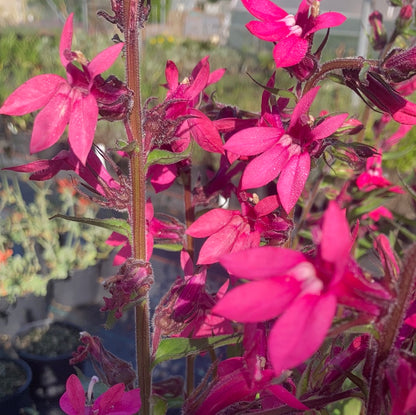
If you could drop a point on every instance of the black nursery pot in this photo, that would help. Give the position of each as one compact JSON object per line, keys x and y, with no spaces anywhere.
{"x":47,"y":347}
{"x":17,"y":375}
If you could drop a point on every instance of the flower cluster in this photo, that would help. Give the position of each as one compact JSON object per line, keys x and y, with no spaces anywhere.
{"x":304,"y":273}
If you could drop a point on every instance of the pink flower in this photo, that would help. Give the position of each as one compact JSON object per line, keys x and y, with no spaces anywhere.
{"x":291,"y":34}
{"x":167,"y":231}
{"x":301,"y":293}
{"x":286,"y":154}
{"x":185,"y":310}
{"x":114,"y":401}
{"x":232,"y":230}
{"x":183,"y":98}
{"x":373,"y":177}
{"x":70,"y":102}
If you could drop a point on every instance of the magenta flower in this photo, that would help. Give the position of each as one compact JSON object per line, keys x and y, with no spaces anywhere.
{"x":301,"y":292}
{"x":372,"y":178}
{"x":291,"y":34}
{"x":286,"y":154}
{"x":185,"y":310}
{"x":183,"y":98}
{"x":233,"y":390}
{"x":70,"y":102}
{"x":114,"y":401}
{"x":93,"y":172}
{"x":232,"y":230}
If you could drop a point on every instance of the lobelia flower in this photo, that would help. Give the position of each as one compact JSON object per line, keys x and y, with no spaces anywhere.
{"x":72,"y":102}
{"x":301,"y":292}
{"x":113,"y":401}
{"x":164,"y":231}
{"x":232,"y":230}
{"x":291,"y":34}
{"x":372,"y":178}
{"x":286,"y":154}
{"x":183,"y":98}
{"x":185,"y":310}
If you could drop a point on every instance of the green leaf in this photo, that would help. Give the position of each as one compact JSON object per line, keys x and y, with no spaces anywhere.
{"x":159,"y":406}
{"x":178,"y":347}
{"x":116,"y":225}
{"x":169,"y":247}
{"x":166,"y":157}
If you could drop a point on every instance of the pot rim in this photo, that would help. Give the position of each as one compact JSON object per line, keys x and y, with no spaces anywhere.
{"x":40,"y":323}
{"x":27,"y":369}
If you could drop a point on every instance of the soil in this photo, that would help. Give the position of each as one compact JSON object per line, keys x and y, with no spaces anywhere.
{"x":50,"y":341}
{"x":12,"y":377}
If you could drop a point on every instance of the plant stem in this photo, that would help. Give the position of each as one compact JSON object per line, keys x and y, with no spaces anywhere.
{"x":138,"y":199}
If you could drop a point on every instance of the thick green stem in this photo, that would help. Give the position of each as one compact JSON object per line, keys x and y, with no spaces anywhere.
{"x":138,"y":199}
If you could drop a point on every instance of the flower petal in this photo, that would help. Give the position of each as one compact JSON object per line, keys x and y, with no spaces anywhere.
{"x":292,"y":180}
{"x":300,"y":331}
{"x":104,"y":60}
{"x":259,"y":263}
{"x":326,"y":20}
{"x":66,"y":39}
{"x":211,"y":222}
{"x":328,"y":126}
{"x":258,"y":300}
{"x":32,"y":95}
{"x":264,"y":10}
{"x":302,"y":107}
{"x":50,"y":123}
{"x":290,"y":51}
{"x":82,"y":124}
{"x":265,"y":167}
{"x":72,"y":402}
{"x":254,"y":140}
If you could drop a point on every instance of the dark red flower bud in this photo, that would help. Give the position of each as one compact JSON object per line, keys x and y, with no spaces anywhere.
{"x":400,"y":64}
{"x":378,"y":37}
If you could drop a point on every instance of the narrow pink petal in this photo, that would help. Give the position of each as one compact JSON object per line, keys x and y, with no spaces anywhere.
{"x":205,"y":133}
{"x":336,"y":236}
{"x":269,"y":31}
{"x":264,"y":10}
{"x":300,"y":331}
{"x":50,"y":123}
{"x":82,"y":124}
{"x":326,"y":20}
{"x":129,"y":403}
{"x":32,"y":95}
{"x":254,"y":140}
{"x":66,"y":39}
{"x":263,"y":262}
{"x":328,"y":126}
{"x":108,"y":399}
{"x":211,"y":222}
{"x":290,"y":51}
{"x":406,"y":114}
{"x":104,"y":60}
{"x":72,"y":402}
{"x":215,"y":76}
{"x":258,"y":300}
{"x":265,"y":167}
{"x":199,"y":82}
{"x":267,"y":205}
{"x":222,"y":242}
{"x":172,"y":75}
{"x":302,"y":107}
{"x":288,"y":398}
{"x":292,"y":180}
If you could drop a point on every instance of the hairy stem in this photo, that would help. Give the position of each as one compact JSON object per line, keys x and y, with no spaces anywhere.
{"x":138,"y":200}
